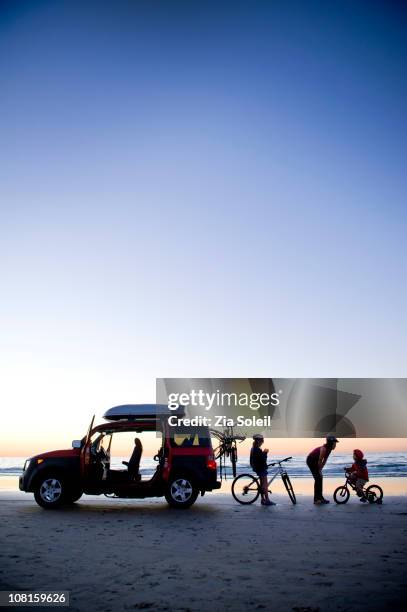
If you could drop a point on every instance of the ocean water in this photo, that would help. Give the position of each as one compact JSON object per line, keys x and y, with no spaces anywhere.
{"x":379,"y":465}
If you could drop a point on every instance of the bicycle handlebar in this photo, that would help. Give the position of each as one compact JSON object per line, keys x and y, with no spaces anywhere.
{"x":281,"y":461}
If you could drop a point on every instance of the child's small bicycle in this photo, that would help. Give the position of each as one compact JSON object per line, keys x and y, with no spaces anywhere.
{"x":373,"y":493}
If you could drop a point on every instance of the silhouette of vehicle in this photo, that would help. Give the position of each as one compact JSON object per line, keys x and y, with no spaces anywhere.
{"x":185,"y":462}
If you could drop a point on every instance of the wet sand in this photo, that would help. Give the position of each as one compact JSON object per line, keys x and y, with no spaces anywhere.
{"x":129,"y":555}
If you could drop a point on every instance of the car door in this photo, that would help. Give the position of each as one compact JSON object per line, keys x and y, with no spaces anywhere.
{"x":107,"y":444}
{"x":85,"y":453}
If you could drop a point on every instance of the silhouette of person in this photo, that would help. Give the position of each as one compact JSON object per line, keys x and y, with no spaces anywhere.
{"x":134,"y":461}
{"x":316,"y":461}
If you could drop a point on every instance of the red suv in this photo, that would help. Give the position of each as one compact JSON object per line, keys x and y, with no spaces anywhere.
{"x":185,"y":462}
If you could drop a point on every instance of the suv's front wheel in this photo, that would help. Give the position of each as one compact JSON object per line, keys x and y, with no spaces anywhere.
{"x":181,"y":492}
{"x":50,"y":491}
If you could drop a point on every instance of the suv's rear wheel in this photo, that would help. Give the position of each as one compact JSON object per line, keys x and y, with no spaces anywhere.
{"x":50,"y":491}
{"x":181,"y":492}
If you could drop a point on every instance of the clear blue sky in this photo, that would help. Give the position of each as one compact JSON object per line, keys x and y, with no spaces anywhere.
{"x":199,"y":189}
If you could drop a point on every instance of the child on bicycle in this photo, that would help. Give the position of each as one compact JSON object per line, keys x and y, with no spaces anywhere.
{"x":358,"y":473}
{"x":258,"y":461}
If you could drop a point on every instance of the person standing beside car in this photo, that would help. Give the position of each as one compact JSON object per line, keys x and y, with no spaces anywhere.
{"x":258,"y":461}
{"x":316,"y":461}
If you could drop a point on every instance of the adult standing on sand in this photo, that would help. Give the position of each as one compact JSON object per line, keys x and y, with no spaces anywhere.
{"x":316,"y":461}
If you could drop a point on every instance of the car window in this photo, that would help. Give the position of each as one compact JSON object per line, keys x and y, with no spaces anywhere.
{"x":184,"y":437}
{"x":100,"y":440}
{"x":105,"y":441}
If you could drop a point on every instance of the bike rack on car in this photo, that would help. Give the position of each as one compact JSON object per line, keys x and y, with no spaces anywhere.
{"x":226,"y":449}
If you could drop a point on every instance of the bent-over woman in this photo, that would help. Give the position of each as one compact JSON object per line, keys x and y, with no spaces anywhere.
{"x":316,"y":461}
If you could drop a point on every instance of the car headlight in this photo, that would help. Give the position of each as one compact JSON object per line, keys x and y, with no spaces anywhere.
{"x":26,"y":464}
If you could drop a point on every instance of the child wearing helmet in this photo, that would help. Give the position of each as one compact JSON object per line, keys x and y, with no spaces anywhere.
{"x":258,"y":461}
{"x":358,"y":473}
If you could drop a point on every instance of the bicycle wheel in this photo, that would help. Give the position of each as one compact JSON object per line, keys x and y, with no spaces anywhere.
{"x":245,"y":489}
{"x":341,"y":494}
{"x":289,"y":487}
{"x":374,"y":494}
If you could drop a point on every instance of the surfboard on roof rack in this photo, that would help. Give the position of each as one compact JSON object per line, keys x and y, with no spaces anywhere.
{"x":131,"y":412}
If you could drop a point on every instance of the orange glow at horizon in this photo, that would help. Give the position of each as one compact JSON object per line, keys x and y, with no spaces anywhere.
{"x":28,"y":446}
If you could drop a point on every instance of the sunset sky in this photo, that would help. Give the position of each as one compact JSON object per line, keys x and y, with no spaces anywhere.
{"x":204,"y":190}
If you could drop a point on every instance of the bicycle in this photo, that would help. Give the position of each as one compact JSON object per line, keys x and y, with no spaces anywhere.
{"x":246,"y":488}
{"x":373,"y":493}
{"x":227,"y":447}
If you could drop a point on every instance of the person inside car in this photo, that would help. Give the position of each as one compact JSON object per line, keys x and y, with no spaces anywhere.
{"x":134,"y":461}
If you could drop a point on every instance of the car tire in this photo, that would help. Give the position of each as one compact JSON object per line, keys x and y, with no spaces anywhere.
{"x":51,"y":491}
{"x":181,"y":492}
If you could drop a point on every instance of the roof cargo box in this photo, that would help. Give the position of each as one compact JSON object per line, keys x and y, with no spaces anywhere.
{"x":131,"y":412}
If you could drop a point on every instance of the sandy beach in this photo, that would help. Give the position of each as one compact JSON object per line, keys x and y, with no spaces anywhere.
{"x":127,"y":555}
